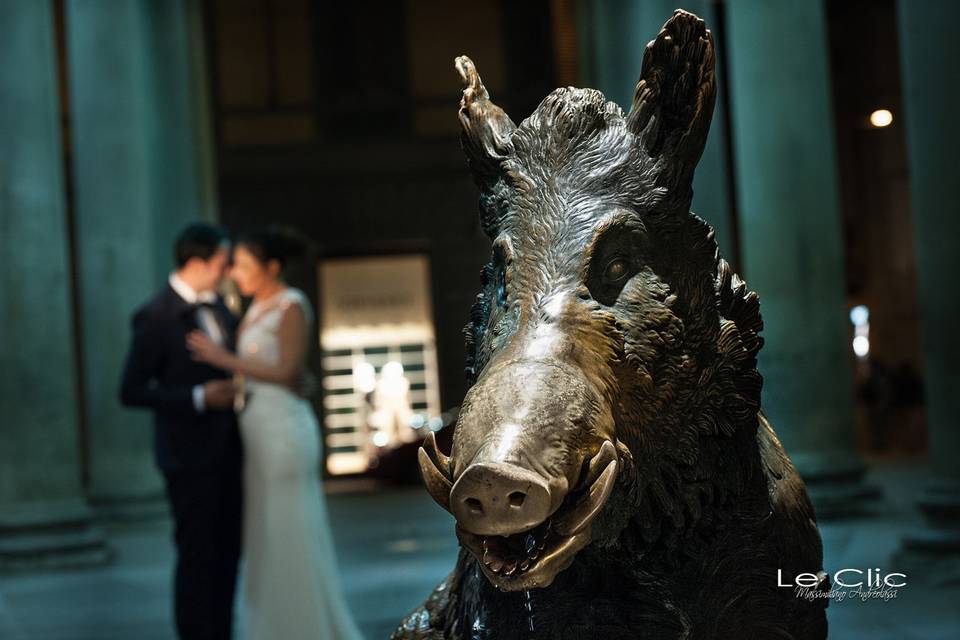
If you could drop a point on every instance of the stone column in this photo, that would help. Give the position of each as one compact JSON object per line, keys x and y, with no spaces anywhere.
{"x":141,"y":174}
{"x":931,"y":89}
{"x":44,"y":518}
{"x":613,"y":35}
{"x":791,"y":239}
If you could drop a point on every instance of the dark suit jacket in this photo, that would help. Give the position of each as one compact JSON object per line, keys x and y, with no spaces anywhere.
{"x":160,"y":375}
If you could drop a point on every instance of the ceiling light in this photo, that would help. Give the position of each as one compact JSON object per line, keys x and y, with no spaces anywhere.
{"x":881,"y":118}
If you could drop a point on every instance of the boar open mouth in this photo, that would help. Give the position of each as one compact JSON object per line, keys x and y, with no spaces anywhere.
{"x":531,"y":558}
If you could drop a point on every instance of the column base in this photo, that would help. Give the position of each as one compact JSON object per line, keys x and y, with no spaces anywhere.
{"x":50,"y":536}
{"x":130,"y":508}
{"x":837,"y":486}
{"x":933,"y":554}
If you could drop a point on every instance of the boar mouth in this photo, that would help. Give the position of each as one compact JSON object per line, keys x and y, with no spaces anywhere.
{"x":531,"y":558}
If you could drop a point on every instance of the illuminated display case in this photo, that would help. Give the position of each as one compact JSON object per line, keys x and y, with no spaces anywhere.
{"x":380,"y":387}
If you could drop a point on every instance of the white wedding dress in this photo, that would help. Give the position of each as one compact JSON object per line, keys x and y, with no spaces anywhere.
{"x":291,"y":587}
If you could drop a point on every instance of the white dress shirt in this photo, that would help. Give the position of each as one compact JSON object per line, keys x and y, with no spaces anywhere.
{"x":205,"y":320}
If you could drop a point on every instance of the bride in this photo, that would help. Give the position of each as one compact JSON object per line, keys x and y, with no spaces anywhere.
{"x":291,"y":589}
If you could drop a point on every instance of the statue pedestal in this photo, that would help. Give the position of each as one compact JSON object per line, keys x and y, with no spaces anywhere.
{"x":932,"y":554}
{"x":836,"y":485}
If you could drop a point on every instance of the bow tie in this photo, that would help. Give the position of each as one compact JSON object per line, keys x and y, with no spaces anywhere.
{"x":203,"y":304}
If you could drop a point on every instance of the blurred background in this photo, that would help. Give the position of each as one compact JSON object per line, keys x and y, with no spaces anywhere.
{"x":830,"y":177}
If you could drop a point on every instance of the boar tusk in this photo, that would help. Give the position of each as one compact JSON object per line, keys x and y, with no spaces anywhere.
{"x":574,"y":521}
{"x":600,"y":461}
{"x":437,"y":484}
{"x":440,"y":461}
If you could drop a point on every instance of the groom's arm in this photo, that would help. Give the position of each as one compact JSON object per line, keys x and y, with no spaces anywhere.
{"x":139,"y":386}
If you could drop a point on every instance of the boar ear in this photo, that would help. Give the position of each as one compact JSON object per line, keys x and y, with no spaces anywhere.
{"x":673,"y":101}
{"x":486,"y":128}
{"x":485,"y":137}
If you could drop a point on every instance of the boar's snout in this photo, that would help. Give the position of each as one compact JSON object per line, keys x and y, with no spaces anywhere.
{"x":523,"y":435}
{"x":492,"y":498}
{"x":533,"y":463}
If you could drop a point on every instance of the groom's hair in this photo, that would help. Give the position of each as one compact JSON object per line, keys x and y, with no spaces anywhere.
{"x":199,"y":240}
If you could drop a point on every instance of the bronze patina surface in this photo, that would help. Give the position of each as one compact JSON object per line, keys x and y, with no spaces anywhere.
{"x":612,"y":474}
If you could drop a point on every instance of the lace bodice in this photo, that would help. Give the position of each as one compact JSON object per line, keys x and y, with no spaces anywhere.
{"x":258,"y":331}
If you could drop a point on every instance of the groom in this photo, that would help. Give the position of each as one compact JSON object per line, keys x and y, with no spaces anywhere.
{"x":196,"y":442}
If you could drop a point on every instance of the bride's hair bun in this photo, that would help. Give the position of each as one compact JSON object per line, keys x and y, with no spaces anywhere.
{"x":282,"y":244}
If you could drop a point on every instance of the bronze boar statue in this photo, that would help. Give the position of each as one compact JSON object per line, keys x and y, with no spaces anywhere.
{"x":612,"y":475}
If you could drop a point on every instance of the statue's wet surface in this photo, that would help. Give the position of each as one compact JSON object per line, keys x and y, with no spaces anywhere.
{"x":612,"y":475}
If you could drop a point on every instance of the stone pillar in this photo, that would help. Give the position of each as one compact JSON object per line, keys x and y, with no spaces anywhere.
{"x":141,"y":173}
{"x":613,"y":35}
{"x":44,"y":518}
{"x":791,"y":239}
{"x":931,"y":89}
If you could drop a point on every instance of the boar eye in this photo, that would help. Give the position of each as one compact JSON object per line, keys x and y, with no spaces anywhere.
{"x":501,"y":258}
{"x":614,"y":258}
{"x":500,"y":292}
{"x":617,"y":269}
{"x":606,"y":282}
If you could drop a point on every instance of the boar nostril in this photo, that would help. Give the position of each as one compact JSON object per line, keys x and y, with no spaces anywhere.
{"x":474,"y":505}
{"x":517,"y":498}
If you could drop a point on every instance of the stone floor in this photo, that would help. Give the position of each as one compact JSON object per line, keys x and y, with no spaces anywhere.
{"x":394,"y":545}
